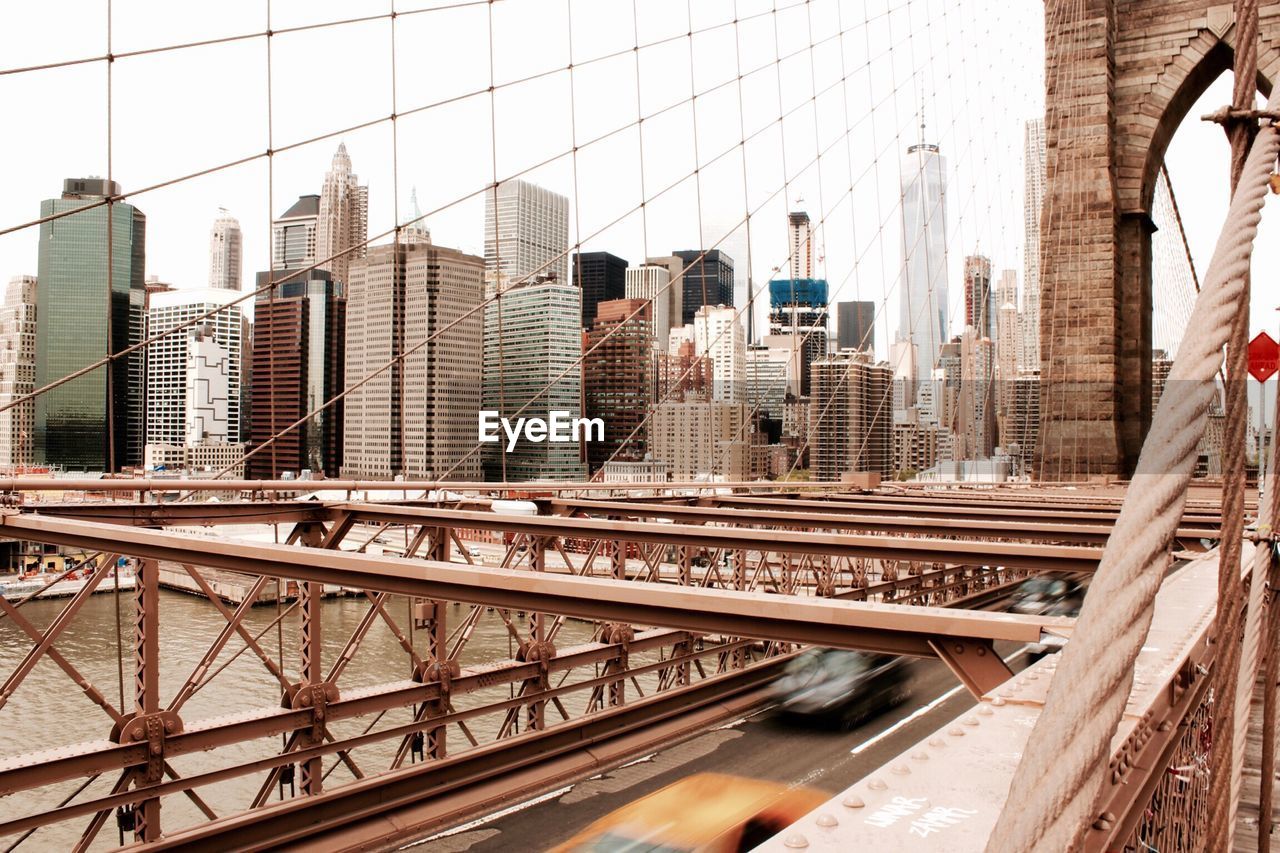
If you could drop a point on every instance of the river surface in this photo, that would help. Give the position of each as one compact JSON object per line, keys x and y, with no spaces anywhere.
{"x":48,"y":710}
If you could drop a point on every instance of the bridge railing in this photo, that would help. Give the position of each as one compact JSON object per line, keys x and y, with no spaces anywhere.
{"x":690,"y":620}
{"x":947,"y":790}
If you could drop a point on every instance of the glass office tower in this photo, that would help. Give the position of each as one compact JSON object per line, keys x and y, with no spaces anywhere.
{"x":90,"y":303}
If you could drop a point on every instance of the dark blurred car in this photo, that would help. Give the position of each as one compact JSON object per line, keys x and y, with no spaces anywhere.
{"x":1048,"y":595}
{"x":840,"y":687}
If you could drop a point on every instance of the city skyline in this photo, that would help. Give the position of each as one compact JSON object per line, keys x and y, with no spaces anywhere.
{"x":297,"y":237}
{"x":639,"y":424}
{"x":445,"y":168}
{"x":334,"y":222}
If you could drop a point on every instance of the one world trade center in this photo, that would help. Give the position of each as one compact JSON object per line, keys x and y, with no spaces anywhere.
{"x":922,"y":318}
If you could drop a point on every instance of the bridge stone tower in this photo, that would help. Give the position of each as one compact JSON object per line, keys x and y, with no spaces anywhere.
{"x":1120,"y":76}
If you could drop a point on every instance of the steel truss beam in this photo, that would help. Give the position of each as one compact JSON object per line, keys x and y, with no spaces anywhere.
{"x":191,"y":514}
{"x":879,"y":627}
{"x":908,"y":522}
{"x":1066,"y":558}
{"x":41,"y":768}
{"x":942,"y":508}
{"x":298,"y":818}
{"x":682,"y":611}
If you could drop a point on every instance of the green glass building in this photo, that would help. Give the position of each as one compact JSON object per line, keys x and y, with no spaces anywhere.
{"x":532,"y":346}
{"x":91,"y":305}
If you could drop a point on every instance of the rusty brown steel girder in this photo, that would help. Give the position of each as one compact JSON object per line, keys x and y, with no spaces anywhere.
{"x":366,"y":815}
{"x":29,"y":771}
{"x":190,"y":514}
{"x":625,"y":603}
{"x":1066,"y":558}
{"x":889,"y":629}
{"x":929,"y":583}
{"x":147,"y":485}
{"x":1094,"y":532}
{"x":298,"y":818}
{"x":81,"y":760}
{"x":909,"y":522}
{"x":938,"y":508}
{"x":1011,"y":497}
{"x":1144,"y":755}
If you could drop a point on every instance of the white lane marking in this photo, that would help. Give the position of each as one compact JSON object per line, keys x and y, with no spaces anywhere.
{"x":641,"y":760}
{"x":551,"y":795}
{"x":733,"y":725}
{"x":921,"y":711}
{"x":809,"y":777}
{"x":490,"y":818}
{"x":916,"y":714}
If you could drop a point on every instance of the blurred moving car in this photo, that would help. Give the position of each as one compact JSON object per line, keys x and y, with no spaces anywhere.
{"x":1049,"y":595}
{"x":841,"y":687}
{"x":710,"y":812}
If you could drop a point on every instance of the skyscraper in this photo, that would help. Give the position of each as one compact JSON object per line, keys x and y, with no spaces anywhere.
{"x":922,"y":313}
{"x":207,"y":397}
{"x":168,"y":358}
{"x":1034,"y":153}
{"x":772,"y":375}
{"x":719,"y":336}
{"x":701,"y":440}
{"x":205,"y":402}
{"x":856,"y":325}
{"x":298,"y":334}
{"x":676,"y":292}
{"x":977,"y":294}
{"x":17,"y":371}
{"x":975,"y":412}
{"x":419,"y":417}
{"x":651,"y":281}
{"x":93,"y":422}
{"x":225,"y":252}
{"x":342,"y":217}
{"x":798,"y":308}
{"x":1007,"y":343}
{"x":293,"y":234}
{"x":708,"y":280}
{"x":600,"y":277}
{"x":682,"y":373}
{"x":800,"y":244}
{"x":526,"y":232}
{"x":1008,"y":329}
{"x":1161,"y":365}
{"x":532,"y":346}
{"x":851,"y":416}
{"x":1007,"y":288}
{"x":1020,"y":420}
{"x":617,"y":379}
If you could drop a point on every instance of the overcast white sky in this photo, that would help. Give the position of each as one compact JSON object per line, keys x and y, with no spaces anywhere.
{"x":976,"y":66}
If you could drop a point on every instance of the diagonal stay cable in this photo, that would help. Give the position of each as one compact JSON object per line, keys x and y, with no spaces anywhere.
{"x":533,"y":274}
{"x":1052,"y":793}
{"x":321,"y":263}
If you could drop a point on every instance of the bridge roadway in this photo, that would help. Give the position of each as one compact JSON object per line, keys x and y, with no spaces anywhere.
{"x":760,"y":746}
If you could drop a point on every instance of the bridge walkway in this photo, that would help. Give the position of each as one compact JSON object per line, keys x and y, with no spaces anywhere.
{"x":1246,"y":837}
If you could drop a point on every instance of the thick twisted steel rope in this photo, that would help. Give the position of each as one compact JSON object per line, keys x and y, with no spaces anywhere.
{"x":1268,"y":518}
{"x":1259,"y":573}
{"x":1052,"y":795}
{"x":1228,"y":734}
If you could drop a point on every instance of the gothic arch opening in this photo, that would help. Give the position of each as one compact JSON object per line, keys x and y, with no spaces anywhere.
{"x":1105,"y":152}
